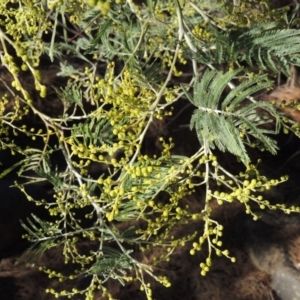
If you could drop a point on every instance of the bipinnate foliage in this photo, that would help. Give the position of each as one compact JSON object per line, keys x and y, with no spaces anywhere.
{"x":125,"y":64}
{"x":227,"y":128}
{"x":263,"y":45}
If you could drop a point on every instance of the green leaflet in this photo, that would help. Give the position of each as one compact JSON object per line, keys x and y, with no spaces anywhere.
{"x":111,"y":263}
{"x":264,"y":45}
{"x":219,"y":123}
{"x":99,"y":35}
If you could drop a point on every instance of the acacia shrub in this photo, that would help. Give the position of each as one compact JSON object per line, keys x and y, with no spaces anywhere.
{"x":155,"y":54}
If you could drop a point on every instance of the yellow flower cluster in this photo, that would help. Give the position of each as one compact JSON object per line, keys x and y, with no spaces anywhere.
{"x":103,"y":6}
{"x":202,"y":33}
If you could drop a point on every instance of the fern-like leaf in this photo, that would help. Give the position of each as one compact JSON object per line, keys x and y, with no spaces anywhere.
{"x":93,"y":132}
{"x":220,"y":123}
{"x":111,"y":263}
{"x":264,"y":45}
